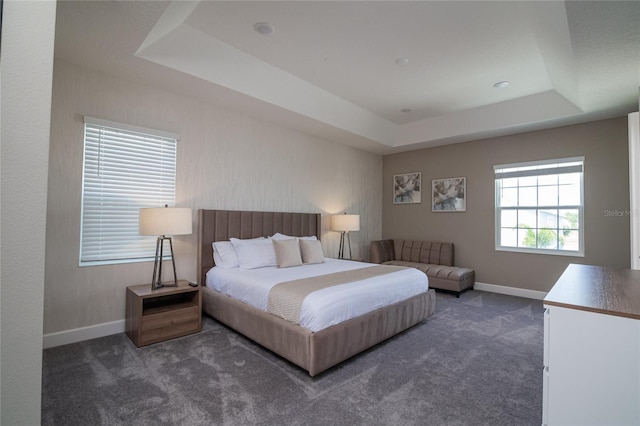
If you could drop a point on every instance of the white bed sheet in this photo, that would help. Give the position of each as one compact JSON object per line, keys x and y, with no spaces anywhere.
{"x":326,"y":307}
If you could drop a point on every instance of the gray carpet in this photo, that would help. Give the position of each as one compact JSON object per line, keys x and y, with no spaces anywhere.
{"x":477,"y":361}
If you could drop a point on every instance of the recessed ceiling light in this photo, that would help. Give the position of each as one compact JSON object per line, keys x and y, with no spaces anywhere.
{"x":405,"y":110}
{"x":501,"y":84}
{"x":402,"y":61}
{"x":263,"y":28}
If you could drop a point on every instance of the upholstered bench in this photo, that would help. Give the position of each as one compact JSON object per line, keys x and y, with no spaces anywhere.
{"x":434,"y":259}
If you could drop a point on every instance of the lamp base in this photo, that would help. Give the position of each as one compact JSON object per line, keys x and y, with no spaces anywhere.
{"x":342,"y":244}
{"x":156,"y":282}
{"x":157,"y":285}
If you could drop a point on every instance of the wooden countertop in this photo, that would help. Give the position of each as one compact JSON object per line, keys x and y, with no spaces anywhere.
{"x":598,"y":289}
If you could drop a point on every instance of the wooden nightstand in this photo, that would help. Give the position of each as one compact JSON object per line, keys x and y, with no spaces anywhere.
{"x":157,"y":315}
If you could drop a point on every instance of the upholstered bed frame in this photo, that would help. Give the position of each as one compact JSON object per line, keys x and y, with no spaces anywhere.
{"x":313,"y":351}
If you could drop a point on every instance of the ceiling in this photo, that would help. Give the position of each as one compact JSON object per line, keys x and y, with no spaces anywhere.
{"x":335,"y":68}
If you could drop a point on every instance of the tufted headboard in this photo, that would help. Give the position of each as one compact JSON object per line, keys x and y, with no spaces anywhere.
{"x":220,"y":225}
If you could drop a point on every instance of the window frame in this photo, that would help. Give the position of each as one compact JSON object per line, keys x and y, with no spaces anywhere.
{"x":537,"y":207}
{"x":146,"y":252}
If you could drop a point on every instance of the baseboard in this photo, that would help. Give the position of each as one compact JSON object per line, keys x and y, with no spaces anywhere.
{"x":83,"y":333}
{"x":511,"y":291}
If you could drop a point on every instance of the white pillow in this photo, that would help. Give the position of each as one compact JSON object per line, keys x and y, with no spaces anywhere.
{"x":287,"y":252}
{"x":279,"y":236}
{"x":224,"y":254}
{"x":254,"y":253}
{"x":311,"y":251}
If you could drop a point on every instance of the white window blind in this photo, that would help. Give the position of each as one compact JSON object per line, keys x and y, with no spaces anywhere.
{"x":125,"y":168}
{"x":539,"y":206}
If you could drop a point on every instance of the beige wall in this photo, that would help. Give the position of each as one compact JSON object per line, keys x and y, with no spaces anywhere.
{"x":604,"y":144}
{"x":27,"y":65}
{"x":226,"y":160}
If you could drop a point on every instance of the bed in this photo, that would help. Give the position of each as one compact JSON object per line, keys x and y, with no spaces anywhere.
{"x":314,"y":351}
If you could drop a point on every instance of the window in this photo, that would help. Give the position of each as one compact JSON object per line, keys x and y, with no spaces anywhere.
{"x":125,"y":168}
{"x":539,"y":207}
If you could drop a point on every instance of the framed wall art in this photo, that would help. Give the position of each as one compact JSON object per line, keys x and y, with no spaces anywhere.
{"x":449,"y":195}
{"x":407,"y":188}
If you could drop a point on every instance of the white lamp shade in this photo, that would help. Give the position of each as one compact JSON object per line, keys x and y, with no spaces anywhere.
{"x":345,"y":222}
{"x":165,"y":221}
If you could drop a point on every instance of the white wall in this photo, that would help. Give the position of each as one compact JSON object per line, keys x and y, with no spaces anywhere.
{"x":226,"y":160}
{"x":634,"y":187}
{"x":27,"y":61}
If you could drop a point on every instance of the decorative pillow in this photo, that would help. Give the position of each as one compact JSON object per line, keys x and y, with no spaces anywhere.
{"x":311,"y":251}
{"x":279,"y":236}
{"x":224,"y":254}
{"x":255,"y":253}
{"x":287,"y":252}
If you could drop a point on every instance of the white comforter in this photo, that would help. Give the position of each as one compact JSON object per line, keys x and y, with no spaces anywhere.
{"x":326,"y":307}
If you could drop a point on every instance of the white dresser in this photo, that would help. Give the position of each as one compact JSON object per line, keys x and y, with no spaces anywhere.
{"x":592,"y":348}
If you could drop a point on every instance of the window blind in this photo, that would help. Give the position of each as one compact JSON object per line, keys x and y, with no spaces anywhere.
{"x":541,"y":168}
{"x":125,"y":169}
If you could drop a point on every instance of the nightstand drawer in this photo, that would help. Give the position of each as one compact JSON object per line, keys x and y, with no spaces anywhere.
{"x":174,"y":317}
{"x":169,"y":332}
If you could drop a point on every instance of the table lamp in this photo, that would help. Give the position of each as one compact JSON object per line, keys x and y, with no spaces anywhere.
{"x":345,"y":223}
{"x":163,"y":221}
